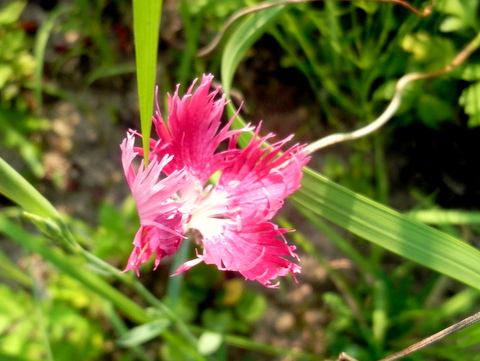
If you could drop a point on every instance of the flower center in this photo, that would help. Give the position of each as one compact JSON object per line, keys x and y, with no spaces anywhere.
{"x":206,"y":209}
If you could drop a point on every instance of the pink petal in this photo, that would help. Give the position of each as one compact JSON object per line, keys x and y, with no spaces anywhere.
{"x":152,"y":240}
{"x":194,"y":134}
{"x":260,"y":179}
{"x":162,"y":223}
{"x":254,"y":251}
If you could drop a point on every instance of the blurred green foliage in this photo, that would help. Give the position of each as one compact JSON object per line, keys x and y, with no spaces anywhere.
{"x":16,"y":61}
{"x":18,"y":122}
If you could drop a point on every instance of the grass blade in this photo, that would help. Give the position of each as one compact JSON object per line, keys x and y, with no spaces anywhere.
{"x":389,"y":229}
{"x":146,"y":28}
{"x":39,"y":52}
{"x":246,"y":33}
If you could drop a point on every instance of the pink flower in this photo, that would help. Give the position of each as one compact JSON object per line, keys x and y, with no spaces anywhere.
{"x":174,"y":195}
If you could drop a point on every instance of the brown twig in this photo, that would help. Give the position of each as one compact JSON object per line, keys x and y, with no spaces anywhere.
{"x":426,"y":341}
{"x":435,"y":337}
{"x":216,"y":40}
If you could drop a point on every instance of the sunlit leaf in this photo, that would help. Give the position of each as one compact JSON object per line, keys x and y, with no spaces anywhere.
{"x":389,"y":229}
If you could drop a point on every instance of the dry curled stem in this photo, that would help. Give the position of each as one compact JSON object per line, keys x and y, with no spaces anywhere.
{"x":425,"y":342}
{"x":214,"y":43}
{"x":435,"y":337}
{"x":396,"y":100}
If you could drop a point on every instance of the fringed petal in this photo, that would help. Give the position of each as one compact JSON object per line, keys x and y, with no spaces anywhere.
{"x":193,"y":131}
{"x":254,"y":251}
{"x":162,"y":224}
{"x":260,"y":179}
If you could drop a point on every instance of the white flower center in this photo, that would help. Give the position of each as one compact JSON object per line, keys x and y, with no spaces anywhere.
{"x":206,"y":208}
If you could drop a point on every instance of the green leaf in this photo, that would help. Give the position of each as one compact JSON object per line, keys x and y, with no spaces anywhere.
{"x":246,"y":33}
{"x":146,"y":28}
{"x":389,"y":229}
{"x":464,"y":10}
{"x":453,"y":7}
{"x":11,"y":12}
{"x":143,"y":333}
{"x":451,"y":24}
{"x":470,"y":100}
{"x":471,"y":72}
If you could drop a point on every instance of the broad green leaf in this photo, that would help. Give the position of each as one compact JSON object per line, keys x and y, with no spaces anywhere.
{"x":389,"y":229}
{"x":146,"y":29}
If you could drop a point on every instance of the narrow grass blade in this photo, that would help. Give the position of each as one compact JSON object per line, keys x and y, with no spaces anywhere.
{"x":110,"y":71}
{"x":39,"y":51}
{"x":240,"y":40}
{"x":146,"y":28}
{"x":244,"y":35}
{"x":389,"y":229}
